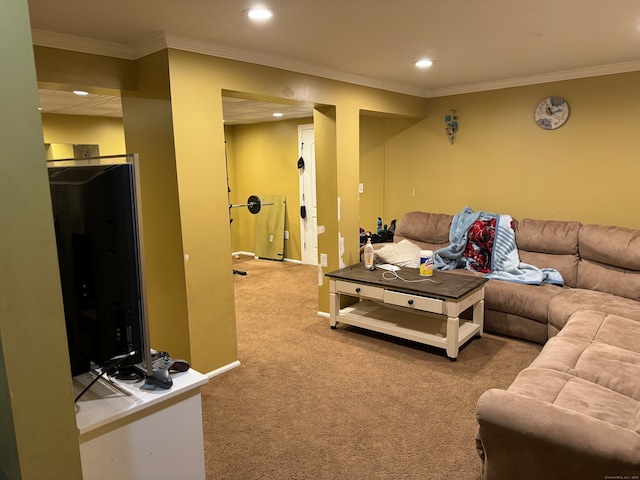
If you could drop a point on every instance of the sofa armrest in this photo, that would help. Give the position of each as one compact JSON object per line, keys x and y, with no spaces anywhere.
{"x":528,"y":439}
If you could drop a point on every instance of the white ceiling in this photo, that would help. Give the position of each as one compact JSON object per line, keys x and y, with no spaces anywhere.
{"x":237,"y":111}
{"x":477,"y":45}
{"x":68,"y":103}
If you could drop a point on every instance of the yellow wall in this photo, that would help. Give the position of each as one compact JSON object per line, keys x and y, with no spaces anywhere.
{"x":503,"y":162}
{"x":265,"y":163}
{"x":83,"y":71}
{"x":202,"y":189}
{"x":38,"y":435}
{"x":373,"y":136}
{"x":327,"y":162}
{"x":107,"y":132}
{"x":148,"y":128}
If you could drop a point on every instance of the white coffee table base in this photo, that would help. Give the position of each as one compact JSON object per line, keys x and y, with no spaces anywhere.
{"x":422,"y":319}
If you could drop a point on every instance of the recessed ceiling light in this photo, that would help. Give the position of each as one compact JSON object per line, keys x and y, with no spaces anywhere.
{"x":80,"y":92}
{"x":424,"y":63}
{"x":260,"y":14}
{"x":277,"y":114}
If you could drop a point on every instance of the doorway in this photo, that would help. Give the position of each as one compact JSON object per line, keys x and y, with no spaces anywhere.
{"x":308,"y":205}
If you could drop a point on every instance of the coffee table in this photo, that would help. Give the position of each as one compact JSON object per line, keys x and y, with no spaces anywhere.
{"x":427,"y":312}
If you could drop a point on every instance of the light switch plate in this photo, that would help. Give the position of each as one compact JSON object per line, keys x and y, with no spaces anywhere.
{"x":324,"y":262}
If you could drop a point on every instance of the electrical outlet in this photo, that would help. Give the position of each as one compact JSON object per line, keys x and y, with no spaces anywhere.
{"x":324,"y":262}
{"x":286,"y":234}
{"x":361,"y":188}
{"x":270,"y":238}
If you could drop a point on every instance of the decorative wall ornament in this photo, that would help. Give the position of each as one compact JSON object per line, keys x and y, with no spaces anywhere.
{"x":551,"y":113}
{"x":452,"y":126}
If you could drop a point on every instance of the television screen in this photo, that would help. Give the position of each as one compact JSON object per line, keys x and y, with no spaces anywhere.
{"x":94,"y":208}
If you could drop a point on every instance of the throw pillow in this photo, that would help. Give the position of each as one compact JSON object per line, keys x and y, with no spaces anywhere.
{"x":402,"y":254}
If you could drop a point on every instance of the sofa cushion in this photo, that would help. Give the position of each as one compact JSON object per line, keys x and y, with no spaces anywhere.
{"x":591,"y":367}
{"x":576,"y":394}
{"x":530,"y":301}
{"x":529,"y":439}
{"x":567,"y":265}
{"x":609,"y":279}
{"x":617,"y":246}
{"x":548,"y":236}
{"x":427,"y":230}
{"x":515,"y":309}
{"x":610,"y":260}
{"x":515,"y":326}
{"x":572,"y":300}
{"x":550,"y":244}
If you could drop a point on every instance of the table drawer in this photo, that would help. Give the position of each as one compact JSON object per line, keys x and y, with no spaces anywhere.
{"x":356,"y":290}
{"x":426,"y":304}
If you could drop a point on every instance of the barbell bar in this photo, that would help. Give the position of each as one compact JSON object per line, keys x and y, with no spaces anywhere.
{"x":254,"y":204}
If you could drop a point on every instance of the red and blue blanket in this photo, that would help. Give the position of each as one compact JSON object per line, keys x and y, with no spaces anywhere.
{"x":486,"y":242}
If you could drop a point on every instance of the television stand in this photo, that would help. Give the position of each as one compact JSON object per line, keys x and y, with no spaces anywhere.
{"x":120,"y":424}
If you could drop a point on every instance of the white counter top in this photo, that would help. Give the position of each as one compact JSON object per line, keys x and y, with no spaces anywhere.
{"x":109,"y":399}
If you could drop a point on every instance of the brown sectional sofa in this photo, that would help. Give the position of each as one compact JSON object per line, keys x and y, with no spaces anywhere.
{"x":574,"y":413}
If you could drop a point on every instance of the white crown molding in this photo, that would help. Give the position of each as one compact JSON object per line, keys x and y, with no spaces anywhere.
{"x":161,"y":41}
{"x":596,"y":71}
{"x":284,"y":63}
{"x":148,"y":46}
{"x":63,"y":41}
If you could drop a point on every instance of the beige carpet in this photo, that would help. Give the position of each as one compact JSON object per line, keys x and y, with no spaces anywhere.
{"x":309,"y":402}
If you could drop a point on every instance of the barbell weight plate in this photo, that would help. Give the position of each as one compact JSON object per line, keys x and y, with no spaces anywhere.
{"x":254,"y":204}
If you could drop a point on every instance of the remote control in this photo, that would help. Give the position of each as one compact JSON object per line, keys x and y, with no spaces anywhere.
{"x":160,"y":368}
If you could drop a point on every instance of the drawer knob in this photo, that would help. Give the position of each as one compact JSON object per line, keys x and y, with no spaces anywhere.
{"x":358,"y":290}
{"x":410,"y":302}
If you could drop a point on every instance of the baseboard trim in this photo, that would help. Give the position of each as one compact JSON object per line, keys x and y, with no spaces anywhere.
{"x":323,"y":315}
{"x":251,"y":254}
{"x":223,"y":369}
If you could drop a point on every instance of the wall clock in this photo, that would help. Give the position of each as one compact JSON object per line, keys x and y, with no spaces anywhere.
{"x":551,"y":113}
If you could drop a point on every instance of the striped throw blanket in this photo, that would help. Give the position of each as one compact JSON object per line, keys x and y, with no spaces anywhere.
{"x":486,"y":242}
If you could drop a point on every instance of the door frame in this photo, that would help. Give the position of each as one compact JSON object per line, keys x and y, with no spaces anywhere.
{"x":307,"y":187}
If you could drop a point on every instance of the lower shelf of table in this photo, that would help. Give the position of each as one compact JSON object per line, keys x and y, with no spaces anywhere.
{"x":422,"y":327}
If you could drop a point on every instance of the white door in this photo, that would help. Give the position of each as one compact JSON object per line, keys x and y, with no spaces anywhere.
{"x":309,"y":224}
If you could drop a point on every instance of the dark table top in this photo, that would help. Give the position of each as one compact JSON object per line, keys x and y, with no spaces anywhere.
{"x":442,"y":284}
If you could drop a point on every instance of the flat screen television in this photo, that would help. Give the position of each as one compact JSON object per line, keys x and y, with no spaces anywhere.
{"x":96,"y":226}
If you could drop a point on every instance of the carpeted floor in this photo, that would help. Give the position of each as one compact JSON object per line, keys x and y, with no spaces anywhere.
{"x":309,"y":402}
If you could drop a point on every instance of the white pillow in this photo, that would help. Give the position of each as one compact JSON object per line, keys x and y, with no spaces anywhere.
{"x":403,"y":254}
